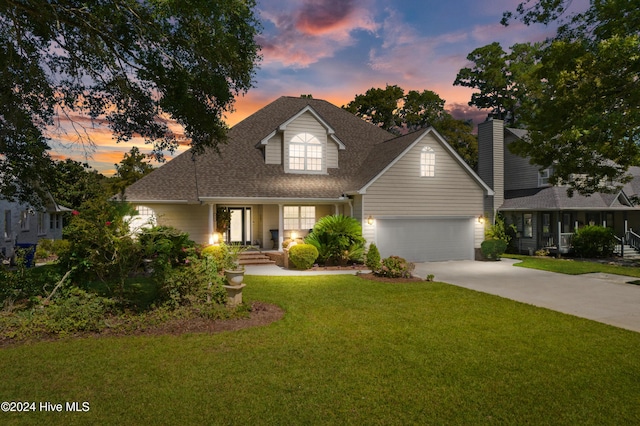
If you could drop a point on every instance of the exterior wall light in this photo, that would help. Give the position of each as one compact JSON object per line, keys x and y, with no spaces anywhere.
{"x":481,"y":219}
{"x":370,"y":220}
{"x":294,"y":235}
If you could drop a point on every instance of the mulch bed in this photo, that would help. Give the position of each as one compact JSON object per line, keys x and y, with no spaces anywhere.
{"x":261,"y":314}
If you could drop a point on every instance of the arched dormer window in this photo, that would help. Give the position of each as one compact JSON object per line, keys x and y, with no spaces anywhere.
{"x":427,"y":162}
{"x":305,"y":153}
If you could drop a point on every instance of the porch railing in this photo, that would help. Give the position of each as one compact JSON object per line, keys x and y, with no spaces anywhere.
{"x":565,"y":242}
{"x":632,"y":239}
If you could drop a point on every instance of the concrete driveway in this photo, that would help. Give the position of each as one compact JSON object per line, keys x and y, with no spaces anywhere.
{"x":599,"y":297}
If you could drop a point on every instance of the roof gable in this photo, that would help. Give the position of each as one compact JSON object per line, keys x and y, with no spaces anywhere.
{"x":387,"y":154}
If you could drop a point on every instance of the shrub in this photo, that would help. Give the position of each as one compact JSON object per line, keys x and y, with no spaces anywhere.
{"x":594,"y":241}
{"x":218,"y":254}
{"x":395,"y":267}
{"x":101,"y":245}
{"x":196,"y":282}
{"x":373,"y":258}
{"x":303,"y":256}
{"x":500,"y":231}
{"x":77,"y":310}
{"x":338,"y":239}
{"x":165,"y":243}
{"x":493,"y":249}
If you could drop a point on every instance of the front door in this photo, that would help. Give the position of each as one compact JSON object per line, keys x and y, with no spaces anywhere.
{"x":240,"y":225}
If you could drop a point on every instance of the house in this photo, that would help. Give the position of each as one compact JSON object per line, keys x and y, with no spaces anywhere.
{"x":22,"y":224}
{"x":545,"y":216}
{"x":299,"y":159}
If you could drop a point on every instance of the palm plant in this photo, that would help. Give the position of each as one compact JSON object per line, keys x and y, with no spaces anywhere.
{"x":338,"y":239}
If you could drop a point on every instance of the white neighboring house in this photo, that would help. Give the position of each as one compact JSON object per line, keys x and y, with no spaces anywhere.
{"x":22,"y":224}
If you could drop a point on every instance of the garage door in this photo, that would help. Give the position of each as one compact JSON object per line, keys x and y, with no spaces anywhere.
{"x":424,"y":240}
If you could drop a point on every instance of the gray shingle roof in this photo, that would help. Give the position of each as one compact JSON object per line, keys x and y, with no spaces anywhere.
{"x":240,"y":169}
{"x":556,"y":198}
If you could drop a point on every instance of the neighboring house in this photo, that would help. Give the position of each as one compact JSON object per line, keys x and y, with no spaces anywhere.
{"x":545,"y":215}
{"x":298,"y":159}
{"x":22,"y":224}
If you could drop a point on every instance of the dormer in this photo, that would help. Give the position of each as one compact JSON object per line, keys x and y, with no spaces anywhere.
{"x":305,"y":143}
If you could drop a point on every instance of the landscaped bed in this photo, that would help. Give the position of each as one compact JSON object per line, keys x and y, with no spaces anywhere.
{"x":347,"y":351}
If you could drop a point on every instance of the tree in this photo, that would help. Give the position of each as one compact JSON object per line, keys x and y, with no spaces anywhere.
{"x":378,"y":106}
{"x":131,"y":63}
{"x":583,"y":116}
{"x":393,"y":110}
{"x":502,"y":78}
{"x":75,"y":182}
{"x":132,"y":168}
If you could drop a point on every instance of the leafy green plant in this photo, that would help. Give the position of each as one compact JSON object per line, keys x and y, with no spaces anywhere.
{"x":166,"y":243}
{"x":500,"y":230}
{"x":303,"y":256}
{"x":101,"y":245}
{"x":217,"y":253}
{"x":373,"y":258}
{"x":338,"y":239}
{"x":197,"y":282}
{"x":395,"y":267}
{"x":594,"y":241}
{"x":493,"y":249}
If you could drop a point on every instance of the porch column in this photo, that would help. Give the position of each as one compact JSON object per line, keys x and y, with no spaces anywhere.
{"x":559,"y":234}
{"x":280,"y":226}
{"x":212,"y":221}
{"x":336,"y":209}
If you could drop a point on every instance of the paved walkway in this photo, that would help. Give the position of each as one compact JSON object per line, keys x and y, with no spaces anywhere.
{"x":601,"y":297}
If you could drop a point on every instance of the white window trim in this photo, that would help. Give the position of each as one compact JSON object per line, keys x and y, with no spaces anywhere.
{"x":299,"y":219}
{"x":42,"y":223}
{"x":543,"y":177}
{"x":427,"y":162}
{"x":307,"y":143}
{"x":24,"y":220}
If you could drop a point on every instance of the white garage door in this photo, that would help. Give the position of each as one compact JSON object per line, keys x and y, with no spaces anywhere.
{"x":425,"y":240}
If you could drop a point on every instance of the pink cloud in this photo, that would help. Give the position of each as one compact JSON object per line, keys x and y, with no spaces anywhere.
{"x":304,"y":34}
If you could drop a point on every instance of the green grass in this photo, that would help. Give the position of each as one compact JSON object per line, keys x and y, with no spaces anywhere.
{"x":348,"y":351}
{"x":571,"y":266}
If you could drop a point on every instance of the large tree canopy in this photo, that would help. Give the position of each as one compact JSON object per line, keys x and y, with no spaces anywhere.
{"x":583,"y":115}
{"x":134,"y":63}
{"x":501,"y":78}
{"x":393,"y":110}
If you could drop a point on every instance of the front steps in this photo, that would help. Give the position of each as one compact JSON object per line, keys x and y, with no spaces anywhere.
{"x":630,"y":253}
{"x":252,"y":257}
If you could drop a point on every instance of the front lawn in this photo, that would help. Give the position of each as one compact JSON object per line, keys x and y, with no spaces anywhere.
{"x":348,"y":351}
{"x":572,"y":266}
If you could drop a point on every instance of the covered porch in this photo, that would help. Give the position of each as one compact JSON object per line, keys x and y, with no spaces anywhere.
{"x":553,"y":230}
{"x":266,"y":224}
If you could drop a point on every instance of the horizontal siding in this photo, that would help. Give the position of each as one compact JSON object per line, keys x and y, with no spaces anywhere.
{"x":521,"y":174}
{"x":332,"y":155}
{"x":190,"y":218}
{"x":273,"y":150}
{"x":451,"y":192}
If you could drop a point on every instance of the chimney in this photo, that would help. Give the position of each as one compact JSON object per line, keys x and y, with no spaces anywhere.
{"x":491,"y":163}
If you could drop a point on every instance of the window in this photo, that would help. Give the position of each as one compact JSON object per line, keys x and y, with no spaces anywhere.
{"x":42,"y":229}
{"x":24,"y":220}
{"x":7,"y":225}
{"x":427,"y":162}
{"x":54,"y":221}
{"x":543,"y":177}
{"x":299,"y":217}
{"x":305,"y":153}
{"x":546,"y":223}
{"x":528,"y":225}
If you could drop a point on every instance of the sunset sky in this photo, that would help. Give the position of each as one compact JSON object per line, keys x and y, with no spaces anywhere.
{"x":336,"y":49}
